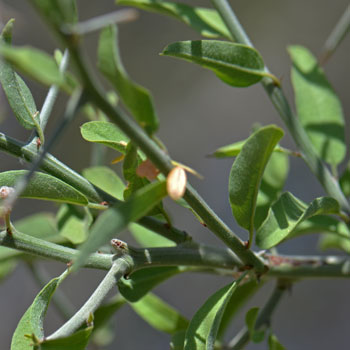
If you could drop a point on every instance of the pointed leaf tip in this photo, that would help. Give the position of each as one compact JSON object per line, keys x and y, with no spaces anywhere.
{"x":235,"y":64}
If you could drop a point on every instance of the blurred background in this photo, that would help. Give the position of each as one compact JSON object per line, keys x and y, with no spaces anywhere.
{"x":198,"y":114}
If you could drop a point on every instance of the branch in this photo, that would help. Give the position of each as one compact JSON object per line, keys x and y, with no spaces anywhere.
{"x":44,"y":249}
{"x":280,"y":102}
{"x":162,"y":161}
{"x":187,"y":254}
{"x":119,"y":268}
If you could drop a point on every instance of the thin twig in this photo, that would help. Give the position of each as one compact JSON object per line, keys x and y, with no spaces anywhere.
{"x":97,"y":23}
{"x":119,"y":268}
{"x":336,"y":37}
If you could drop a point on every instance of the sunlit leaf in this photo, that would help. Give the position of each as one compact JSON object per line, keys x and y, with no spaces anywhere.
{"x":73,"y":224}
{"x":106,"y":179}
{"x":274,"y":344}
{"x":204,"y":20}
{"x":235,"y":64}
{"x":32,"y":321}
{"x":116,"y":219}
{"x":34,"y":63}
{"x":332,"y":241}
{"x":203,"y":328}
{"x":285,"y":215}
{"x":17,"y":92}
{"x":246,"y":174}
{"x":44,"y":186}
{"x":240,"y":296}
{"x":105,"y":133}
{"x":148,"y":238}
{"x":235,"y":148}
{"x":318,"y":107}
{"x":272,"y":182}
{"x":159,"y":314}
{"x":137,"y":99}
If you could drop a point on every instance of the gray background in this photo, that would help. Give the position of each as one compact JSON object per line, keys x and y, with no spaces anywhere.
{"x":198,"y":113}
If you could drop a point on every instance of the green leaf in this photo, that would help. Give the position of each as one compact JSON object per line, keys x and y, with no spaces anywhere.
{"x":332,"y":241}
{"x":105,"y":133}
{"x":287,"y":213}
{"x":250,"y":320}
{"x":17,"y":92}
{"x":246,"y":174}
{"x":235,"y":64}
{"x":205,"y":21}
{"x":116,"y":219}
{"x":274,"y":344}
{"x":131,"y":162}
{"x":203,"y":328}
{"x":318,"y":106}
{"x":106,"y":179}
{"x":272,"y":182}
{"x":77,"y":341}
{"x":235,"y":148}
{"x":159,"y":314}
{"x":142,"y":281}
{"x":345,"y":181}
{"x":136,"y":98}
{"x":32,"y":321}
{"x":133,"y":159}
{"x":41,"y":225}
{"x":58,"y":12}
{"x":178,"y":340}
{"x":35,"y":63}
{"x":321,"y":224}
{"x":148,"y":238}
{"x":43,"y":186}
{"x":73,"y":224}
{"x":240,"y":296}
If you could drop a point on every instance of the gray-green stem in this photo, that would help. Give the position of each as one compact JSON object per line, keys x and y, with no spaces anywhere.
{"x":119,"y":268}
{"x":162,"y":161}
{"x":281,"y":104}
{"x":243,"y":337}
{"x":194,"y":255}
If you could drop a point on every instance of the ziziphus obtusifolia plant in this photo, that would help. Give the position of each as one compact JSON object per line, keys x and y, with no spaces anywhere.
{"x":95,"y":206}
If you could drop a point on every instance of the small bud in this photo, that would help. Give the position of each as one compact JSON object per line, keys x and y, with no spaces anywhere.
{"x":118,"y":244}
{"x":5,"y":191}
{"x":176,"y":183}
